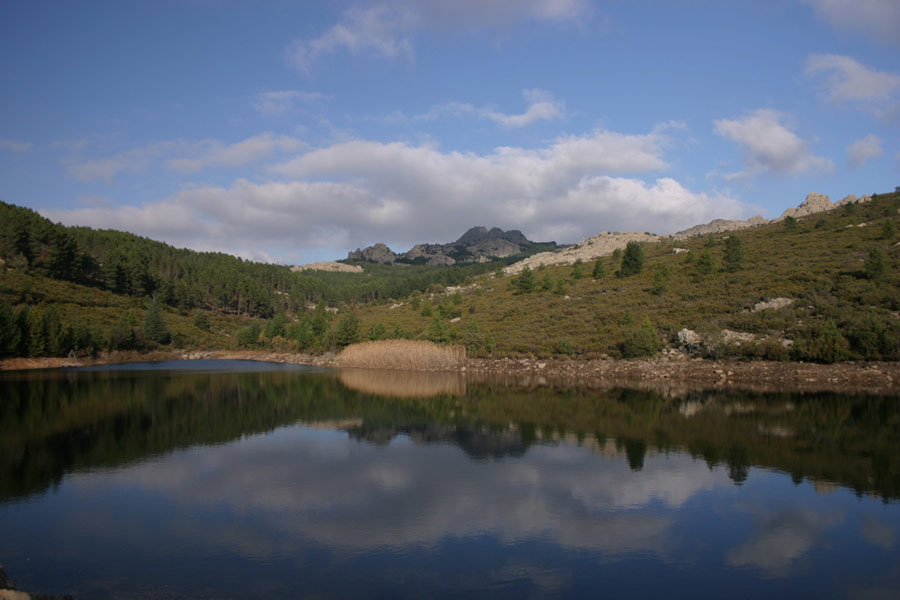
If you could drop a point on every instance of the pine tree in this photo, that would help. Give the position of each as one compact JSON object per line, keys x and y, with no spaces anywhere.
{"x":734,"y":253}
{"x":632,"y":260}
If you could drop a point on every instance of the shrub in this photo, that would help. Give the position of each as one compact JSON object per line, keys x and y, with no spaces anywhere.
{"x":705,"y":263}
{"x":599,"y":271}
{"x":734,"y":253}
{"x":578,"y":270}
{"x":377,"y":331}
{"x":820,"y":343}
{"x":249,"y":336}
{"x":875,"y":264}
{"x":888,"y":230}
{"x":790,"y":223}
{"x":525,"y":282}
{"x":347,"y":331}
{"x":643,"y":341}
{"x":201,"y":320}
{"x":632,"y":260}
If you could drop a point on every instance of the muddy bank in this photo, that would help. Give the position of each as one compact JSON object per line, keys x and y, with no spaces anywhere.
{"x":672,"y":374}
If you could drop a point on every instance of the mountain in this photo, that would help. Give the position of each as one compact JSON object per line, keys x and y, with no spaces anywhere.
{"x":478,"y":244}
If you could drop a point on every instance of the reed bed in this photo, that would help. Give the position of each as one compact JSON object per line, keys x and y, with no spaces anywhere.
{"x":408,"y":355}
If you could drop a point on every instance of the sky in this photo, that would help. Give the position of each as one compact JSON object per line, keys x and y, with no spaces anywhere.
{"x":292,"y":132}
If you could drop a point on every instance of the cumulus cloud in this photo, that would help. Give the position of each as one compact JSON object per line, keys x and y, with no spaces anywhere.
{"x":386,"y":30}
{"x":845,"y":80}
{"x":352,"y":194}
{"x":187,"y":156}
{"x":280,"y":102}
{"x":863,"y":149}
{"x":769,"y":145}
{"x":15,"y":146}
{"x":879,"y":19}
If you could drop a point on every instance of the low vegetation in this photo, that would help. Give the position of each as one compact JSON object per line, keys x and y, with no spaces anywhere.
{"x":840,"y":268}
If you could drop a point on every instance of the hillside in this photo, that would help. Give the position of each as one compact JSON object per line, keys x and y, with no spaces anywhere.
{"x":823,"y":287}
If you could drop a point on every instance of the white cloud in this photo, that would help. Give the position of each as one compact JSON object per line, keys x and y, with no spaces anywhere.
{"x":386,"y":30}
{"x":280,"y":102}
{"x":214,"y":153}
{"x":355,"y":193}
{"x":186,"y":156}
{"x":860,"y":151}
{"x":542,"y":105}
{"x":770,"y":145}
{"x":845,"y":80}
{"x":879,"y":19}
{"x":15,"y":146}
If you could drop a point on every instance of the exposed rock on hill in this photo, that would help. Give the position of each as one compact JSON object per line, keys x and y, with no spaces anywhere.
{"x":816,"y":203}
{"x":478,"y":244}
{"x":379,"y":253}
{"x":719,"y":226}
{"x":329,"y":266}
{"x":603,"y":244}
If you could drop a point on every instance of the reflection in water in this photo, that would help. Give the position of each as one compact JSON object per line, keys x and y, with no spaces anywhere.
{"x":289,"y":483}
{"x":404,"y":384}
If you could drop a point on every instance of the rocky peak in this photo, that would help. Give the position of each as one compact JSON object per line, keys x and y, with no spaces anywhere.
{"x":379,"y":253}
{"x":477,"y":235}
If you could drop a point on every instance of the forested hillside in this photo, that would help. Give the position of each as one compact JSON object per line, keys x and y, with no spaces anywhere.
{"x":88,"y":289}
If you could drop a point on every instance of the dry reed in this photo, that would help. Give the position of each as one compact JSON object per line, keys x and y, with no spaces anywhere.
{"x":402,"y":354}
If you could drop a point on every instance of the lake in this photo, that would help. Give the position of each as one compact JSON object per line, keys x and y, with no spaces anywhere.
{"x":230,"y":479}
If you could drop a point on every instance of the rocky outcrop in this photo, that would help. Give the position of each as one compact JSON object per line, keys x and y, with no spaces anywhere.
{"x":816,"y":203}
{"x":335,"y":267}
{"x":379,"y":253}
{"x":478,"y":244}
{"x":773,"y":304}
{"x":719,"y":226}
{"x":603,"y":244}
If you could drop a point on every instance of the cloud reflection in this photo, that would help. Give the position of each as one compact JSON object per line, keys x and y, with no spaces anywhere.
{"x":301,"y":484}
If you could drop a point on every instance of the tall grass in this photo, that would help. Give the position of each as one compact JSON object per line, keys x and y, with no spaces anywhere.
{"x":402,"y":354}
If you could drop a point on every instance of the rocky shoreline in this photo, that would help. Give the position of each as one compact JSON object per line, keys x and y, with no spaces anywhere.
{"x":670,"y":373}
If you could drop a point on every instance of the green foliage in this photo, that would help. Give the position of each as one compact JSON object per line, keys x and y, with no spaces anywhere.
{"x":456,"y":298}
{"x":546,"y":283}
{"x":275,"y":327}
{"x":642,"y":341}
{"x":820,"y":343}
{"x":201,"y":320}
{"x":875,"y":264}
{"x":526,"y":282}
{"x":578,"y":270}
{"x":660,"y":278}
{"x":377,"y":331}
{"x":632,"y":260}
{"x":439,"y":330}
{"x":154,"y":327}
{"x":248,"y":337}
{"x":734,"y":253}
{"x":711,"y":242}
{"x":559,"y":288}
{"x":565,"y":347}
{"x":472,"y":338}
{"x":705,"y":263}
{"x":426,"y":309}
{"x":790,"y":223}
{"x":599,"y":271}
{"x":347,"y":331}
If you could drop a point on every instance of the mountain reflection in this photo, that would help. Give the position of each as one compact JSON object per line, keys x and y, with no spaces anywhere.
{"x":290,"y":483}
{"x":54,"y":423}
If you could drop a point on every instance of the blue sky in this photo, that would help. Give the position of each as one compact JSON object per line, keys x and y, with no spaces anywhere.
{"x":297,"y":131}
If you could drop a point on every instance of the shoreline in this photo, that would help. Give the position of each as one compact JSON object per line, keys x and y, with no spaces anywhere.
{"x":670,"y":374}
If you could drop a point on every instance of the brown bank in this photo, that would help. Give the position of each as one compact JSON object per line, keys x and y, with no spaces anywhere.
{"x":671,"y":373}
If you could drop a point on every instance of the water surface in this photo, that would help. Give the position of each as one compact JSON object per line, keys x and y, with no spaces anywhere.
{"x":224,"y":479}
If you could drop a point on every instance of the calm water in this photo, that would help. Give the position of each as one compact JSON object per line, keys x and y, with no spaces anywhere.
{"x":223,"y":479}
